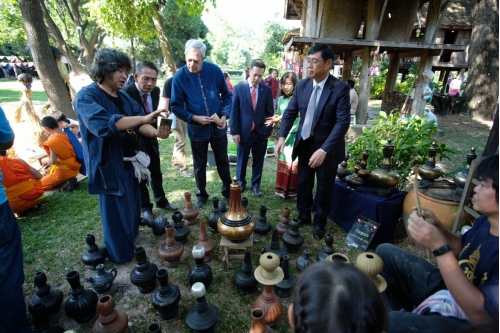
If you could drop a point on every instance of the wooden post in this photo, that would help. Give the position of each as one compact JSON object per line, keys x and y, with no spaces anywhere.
{"x":303,"y":21}
{"x":445,"y":81}
{"x":374,"y":12}
{"x":419,"y":102}
{"x":431,"y":22}
{"x":392,"y":76}
{"x":312,"y":22}
{"x":364,"y":87}
{"x":347,"y":69}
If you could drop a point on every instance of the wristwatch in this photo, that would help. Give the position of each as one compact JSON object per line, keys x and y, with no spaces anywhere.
{"x":441,"y":250}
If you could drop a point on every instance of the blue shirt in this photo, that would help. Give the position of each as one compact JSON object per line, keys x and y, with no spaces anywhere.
{"x":202,"y":94}
{"x":6,"y":134}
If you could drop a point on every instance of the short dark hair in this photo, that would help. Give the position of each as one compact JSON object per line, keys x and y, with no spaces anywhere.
{"x":106,"y":62}
{"x":285,"y":76}
{"x":326,"y":296}
{"x":50,"y":122}
{"x":3,"y":152}
{"x":226,"y":75}
{"x":142,"y":64}
{"x":257,"y":63}
{"x":180,"y":63}
{"x":326,"y":51}
{"x":59,"y":116}
{"x":350,"y":83}
{"x":488,"y":170}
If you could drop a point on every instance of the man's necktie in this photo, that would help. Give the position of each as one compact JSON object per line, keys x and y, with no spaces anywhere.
{"x":254,"y":103}
{"x":309,"y":119}
{"x":146,"y":104}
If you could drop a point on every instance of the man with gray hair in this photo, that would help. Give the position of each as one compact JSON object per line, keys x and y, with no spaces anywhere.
{"x":199,"y":91}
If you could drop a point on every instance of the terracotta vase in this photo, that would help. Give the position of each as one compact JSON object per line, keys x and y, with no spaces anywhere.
{"x":214,"y":217}
{"x":303,"y":261}
{"x":338,"y":257}
{"x":143,"y":276}
{"x":181,"y":231}
{"x":81,"y":305}
{"x":170,"y":251}
{"x":154,"y":328}
{"x":284,"y":288}
{"x":262,"y":226}
{"x":283,"y":225}
{"x":203,"y":316}
{"x":259,"y":323}
{"x":200,"y":272}
{"x":208,"y":244}
{"x":166,"y":298}
{"x":292,"y":239}
{"x":244,"y":278}
{"x":371,"y":264}
{"x":189,"y":212}
{"x":94,"y":255}
{"x":275,"y":245}
{"x":327,"y":249}
{"x":383,"y":178}
{"x":41,"y":320}
{"x":103,"y":280}
{"x":270,"y":304}
{"x":51,"y":298}
{"x":110,"y":320}
{"x":269,"y":273}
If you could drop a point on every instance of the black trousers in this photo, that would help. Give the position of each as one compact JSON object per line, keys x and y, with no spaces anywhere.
{"x":258,"y":147}
{"x":156,"y":182}
{"x":325,"y":176}
{"x":200,"y":150}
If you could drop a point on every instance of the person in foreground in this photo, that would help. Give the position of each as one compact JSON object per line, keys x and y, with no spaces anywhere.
{"x":112,"y":125}
{"x":322,"y":101}
{"x":463,"y":288}
{"x":336,"y":297}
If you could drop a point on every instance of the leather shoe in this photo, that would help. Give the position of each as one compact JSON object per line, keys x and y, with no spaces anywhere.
{"x":201,"y":203}
{"x":318,"y":232}
{"x":257,"y":192}
{"x":186,"y":174}
{"x":243,"y":188}
{"x":147,"y":217}
{"x":168,"y":206}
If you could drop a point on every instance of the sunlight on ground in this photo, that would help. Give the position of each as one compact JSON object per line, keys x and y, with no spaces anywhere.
{"x":488,"y":123}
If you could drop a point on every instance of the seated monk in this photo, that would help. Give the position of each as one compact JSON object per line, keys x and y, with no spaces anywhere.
{"x":62,"y":156}
{"x":22,"y":183}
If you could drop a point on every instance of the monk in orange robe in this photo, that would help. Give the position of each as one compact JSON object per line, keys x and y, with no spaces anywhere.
{"x":22,"y":183}
{"x":62,"y":156}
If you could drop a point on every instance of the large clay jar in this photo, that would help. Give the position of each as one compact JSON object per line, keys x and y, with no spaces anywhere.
{"x":292,"y":239}
{"x":236,"y":225}
{"x":284,"y":288}
{"x":81,"y":305}
{"x":41,"y":320}
{"x":371,"y":264}
{"x":244,"y":278}
{"x":190,"y":211}
{"x":170,"y":251}
{"x":181,"y":231}
{"x":269,"y":273}
{"x":51,"y":298}
{"x":200,"y":272}
{"x":363,"y":172}
{"x":259,"y":323}
{"x":303,"y":261}
{"x":154,"y":328}
{"x":342,"y":170}
{"x":208,"y":244}
{"x":262,"y":226}
{"x":166,"y":298}
{"x":143,"y":276}
{"x":383,"y":179}
{"x":203,"y":316}
{"x":214,"y":217}
{"x":94,"y":255}
{"x":110,"y":320}
{"x":460,"y":177}
{"x":429,"y":171}
{"x":275,"y":246}
{"x":327,"y":249}
{"x":103,"y":280}
{"x":283,"y":225}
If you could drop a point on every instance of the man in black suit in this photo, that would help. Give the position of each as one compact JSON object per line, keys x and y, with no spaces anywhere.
{"x":145,"y":92}
{"x":252,"y":104}
{"x":322,"y":101}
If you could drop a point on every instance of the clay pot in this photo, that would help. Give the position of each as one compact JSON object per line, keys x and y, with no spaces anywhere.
{"x":214,"y":217}
{"x":94,"y":255}
{"x":50,"y":298}
{"x":327,"y":249}
{"x":81,"y":305}
{"x":110,"y":320}
{"x":170,"y":251}
{"x":303,"y":261}
{"x":244,"y":204}
{"x":244,"y":278}
{"x":200,"y":272}
{"x":203,"y":316}
{"x":259,"y":323}
{"x":338,"y":257}
{"x":429,"y":171}
{"x":371,"y":264}
{"x":207,"y":243}
{"x":158,"y":225}
{"x":363,"y":172}
{"x":275,"y":245}
{"x":283,"y":225}
{"x":460,"y":178}
{"x":143,"y":276}
{"x":41,"y":320}
{"x":342,"y":170}
{"x":270,"y":305}
{"x":284,"y":288}
{"x":190,"y":211}
{"x":354,"y":180}
{"x":383,"y":179}
{"x":292,"y":238}
{"x":166,"y":298}
{"x":262,"y":226}
{"x":181,"y":231}
{"x":102,"y":280}
{"x":154,"y":328}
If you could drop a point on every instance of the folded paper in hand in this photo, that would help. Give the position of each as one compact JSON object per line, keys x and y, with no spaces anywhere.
{"x":216,"y":119}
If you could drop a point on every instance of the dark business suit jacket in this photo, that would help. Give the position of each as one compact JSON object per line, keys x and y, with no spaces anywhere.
{"x":243,"y":114}
{"x":331,"y":120}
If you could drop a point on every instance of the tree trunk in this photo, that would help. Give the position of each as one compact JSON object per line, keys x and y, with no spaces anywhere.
{"x":132,"y":54}
{"x":164,"y":43}
{"x":482,"y":81}
{"x":43,"y":58}
{"x":492,"y":142}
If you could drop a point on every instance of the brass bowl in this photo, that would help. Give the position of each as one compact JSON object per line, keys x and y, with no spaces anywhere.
{"x":236,"y":231}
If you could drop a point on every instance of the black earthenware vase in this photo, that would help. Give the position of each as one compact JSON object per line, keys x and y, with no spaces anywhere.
{"x":94,"y":255}
{"x":327,"y":249}
{"x":222,"y":208}
{"x":292,"y":239}
{"x":166,"y":298}
{"x":244,"y":278}
{"x":303,"y":261}
{"x":158,"y":225}
{"x":81,"y":305}
{"x":275,"y":246}
{"x":143,"y":276}
{"x":200,"y":272}
{"x":41,"y":320}
{"x":181,"y":231}
{"x":284,"y":288}
{"x":203,"y":316}
{"x":262,"y":226}
{"x":244,"y":204}
{"x":154,"y":328}
{"x":214,"y":217}
{"x":51,"y":298}
{"x":103,"y":280}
